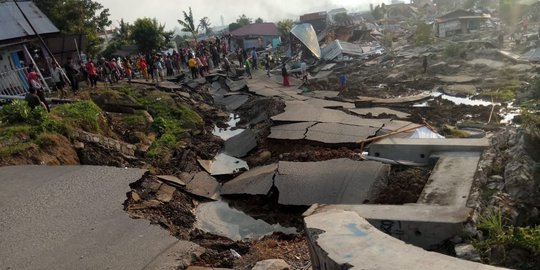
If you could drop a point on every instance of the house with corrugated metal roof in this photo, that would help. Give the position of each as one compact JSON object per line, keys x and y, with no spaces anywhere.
{"x":257,"y":35}
{"x":19,"y":46}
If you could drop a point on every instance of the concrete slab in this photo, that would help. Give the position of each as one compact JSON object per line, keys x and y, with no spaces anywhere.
{"x":295,"y":131}
{"x":337,"y":181}
{"x":324,"y":103}
{"x":459,"y":89}
{"x":223,"y":164}
{"x":406,"y":99}
{"x":165,"y":193}
{"x":419,"y":150}
{"x":239,"y":145}
{"x":72,"y":217}
{"x":457,"y":79}
{"x":256,"y":181}
{"x":341,"y":239}
{"x":235,"y":86}
{"x":376,"y":111}
{"x":451,"y":180}
{"x":422,"y":225}
{"x":335,"y":133}
{"x":231,"y":102}
{"x":204,"y":185}
{"x":171,"y":179}
{"x":322,"y":94}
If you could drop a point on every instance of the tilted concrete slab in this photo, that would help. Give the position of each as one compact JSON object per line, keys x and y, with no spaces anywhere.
{"x":406,"y":99}
{"x":335,"y":133}
{"x":336,"y":181}
{"x":451,"y":179}
{"x":256,"y":181}
{"x":204,"y":185}
{"x":231,"y":102}
{"x":419,"y":224}
{"x":223,"y":164}
{"x":239,"y":145}
{"x":376,"y":111}
{"x":419,"y":150}
{"x":296,"y":131}
{"x":341,"y":239}
{"x":325,"y":103}
{"x":72,"y":217}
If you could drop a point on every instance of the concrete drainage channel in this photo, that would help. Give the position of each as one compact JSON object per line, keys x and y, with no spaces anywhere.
{"x":230,"y":207}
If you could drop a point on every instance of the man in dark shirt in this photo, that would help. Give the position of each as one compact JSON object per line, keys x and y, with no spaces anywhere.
{"x":32,"y":98}
{"x":72,"y":74}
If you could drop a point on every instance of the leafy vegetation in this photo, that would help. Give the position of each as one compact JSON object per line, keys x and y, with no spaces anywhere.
{"x":284,"y":27}
{"x":188,"y":24}
{"x":497,"y":233}
{"x":171,"y":121}
{"x":423,"y":34}
{"x":84,"y":115}
{"x":454,"y":50}
{"x":149,"y":35}
{"x":241,"y":21}
{"x":74,"y":17}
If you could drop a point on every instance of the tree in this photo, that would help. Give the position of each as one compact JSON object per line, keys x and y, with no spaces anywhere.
{"x":204,"y":24}
{"x":149,"y":35}
{"x":189,"y":25}
{"x":423,"y":34}
{"x":259,"y":20}
{"x":121,"y":36}
{"x":233,"y":26}
{"x":285,"y":27}
{"x":244,"y":20}
{"x":84,"y":17}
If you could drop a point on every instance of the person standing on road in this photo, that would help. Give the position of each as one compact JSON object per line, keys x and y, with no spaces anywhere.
{"x":285,"y":76}
{"x":342,"y":84}
{"x":254,"y":58}
{"x":192,"y":63}
{"x":267,"y":65}
{"x":425,"y":63}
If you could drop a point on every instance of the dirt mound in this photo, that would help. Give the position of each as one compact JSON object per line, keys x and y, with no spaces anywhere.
{"x":404,"y":185}
{"x":52,"y":150}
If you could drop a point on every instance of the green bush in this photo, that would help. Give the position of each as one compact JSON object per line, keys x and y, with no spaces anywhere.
{"x":423,"y":34}
{"x":17,"y":111}
{"x":454,"y":50}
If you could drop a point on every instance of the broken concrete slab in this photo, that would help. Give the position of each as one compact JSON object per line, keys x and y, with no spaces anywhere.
{"x":487,"y":62}
{"x":171,"y":258}
{"x":223,"y":164}
{"x":422,"y":225}
{"x":457,"y":79}
{"x":420,"y":150}
{"x":48,"y":222}
{"x":232,"y":102}
{"x":324,"y":103}
{"x":204,"y":185}
{"x":335,"y":133}
{"x":322,"y":94}
{"x":171,"y":179}
{"x":239,"y":145}
{"x":271,"y":264}
{"x":295,"y":131}
{"x":337,"y":181}
{"x":256,"y":181}
{"x":340,"y":239}
{"x":451,"y":179}
{"x":360,"y":100}
{"x":459,"y":90}
{"x":165,"y":193}
{"x":235,"y":86}
{"x":376,"y":111}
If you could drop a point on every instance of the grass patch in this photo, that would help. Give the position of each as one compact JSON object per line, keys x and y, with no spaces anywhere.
{"x":16,"y":148}
{"x":455,"y":50}
{"x":505,"y":238}
{"x":171,"y":123}
{"x":84,"y":115}
{"x":136,"y":119}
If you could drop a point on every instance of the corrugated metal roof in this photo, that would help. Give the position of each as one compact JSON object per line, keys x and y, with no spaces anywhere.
{"x":256,"y":29}
{"x":338,"y":47}
{"x":14,"y":25}
{"x":306,"y":34}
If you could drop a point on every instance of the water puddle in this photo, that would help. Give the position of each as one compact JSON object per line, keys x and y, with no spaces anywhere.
{"x":510,"y":113}
{"x":231,"y":130}
{"x":224,"y":164}
{"x":457,"y":100}
{"x":220,"y":219}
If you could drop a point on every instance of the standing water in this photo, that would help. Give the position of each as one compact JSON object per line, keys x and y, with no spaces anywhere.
{"x":220,"y":219}
{"x":230,"y":131}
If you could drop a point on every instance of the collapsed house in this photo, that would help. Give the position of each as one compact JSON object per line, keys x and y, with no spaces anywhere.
{"x":459,"y":22}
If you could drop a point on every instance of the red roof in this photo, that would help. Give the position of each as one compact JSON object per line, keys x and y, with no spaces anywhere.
{"x":256,"y":29}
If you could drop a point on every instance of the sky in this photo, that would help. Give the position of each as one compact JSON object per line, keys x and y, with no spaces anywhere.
{"x":169,"y":11}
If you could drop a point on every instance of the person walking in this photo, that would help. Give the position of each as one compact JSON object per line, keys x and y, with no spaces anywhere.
{"x":92,"y":73}
{"x":303,"y":70}
{"x":285,"y":76}
{"x":254,"y":58}
{"x":267,"y":65}
{"x":342,"y":84}
{"x":73,"y":75}
{"x":143,"y":66}
{"x":247,"y":66}
{"x":34,"y":83}
{"x":128,"y":69}
{"x":58,"y":79}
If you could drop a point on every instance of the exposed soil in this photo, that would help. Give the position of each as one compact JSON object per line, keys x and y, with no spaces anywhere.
{"x":57,"y":150}
{"x":403,"y":185}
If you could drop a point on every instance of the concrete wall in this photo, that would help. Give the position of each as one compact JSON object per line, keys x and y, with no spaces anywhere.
{"x":420,"y":150}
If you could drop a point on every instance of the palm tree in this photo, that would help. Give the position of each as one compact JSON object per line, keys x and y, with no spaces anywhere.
{"x":188,"y":25}
{"x":204,"y":24}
